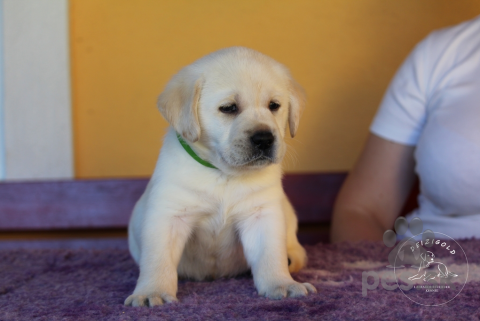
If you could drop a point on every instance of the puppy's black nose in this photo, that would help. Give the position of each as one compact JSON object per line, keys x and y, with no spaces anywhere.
{"x":262,"y":140}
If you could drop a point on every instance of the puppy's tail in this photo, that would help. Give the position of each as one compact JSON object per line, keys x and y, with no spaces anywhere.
{"x":453,"y":275}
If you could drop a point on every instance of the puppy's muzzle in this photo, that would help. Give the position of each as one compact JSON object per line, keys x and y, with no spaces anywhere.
{"x":262,"y":143}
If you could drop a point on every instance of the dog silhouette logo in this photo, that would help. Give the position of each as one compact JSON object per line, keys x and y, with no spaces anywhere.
{"x":427,"y":271}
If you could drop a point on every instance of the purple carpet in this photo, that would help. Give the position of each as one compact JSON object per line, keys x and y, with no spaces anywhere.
{"x":92,"y":285}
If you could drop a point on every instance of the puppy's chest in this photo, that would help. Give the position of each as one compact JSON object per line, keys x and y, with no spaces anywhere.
{"x":214,"y":231}
{"x":217,"y":221}
{"x":215,"y":227}
{"x":218,"y":207}
{"x":214,"y":249}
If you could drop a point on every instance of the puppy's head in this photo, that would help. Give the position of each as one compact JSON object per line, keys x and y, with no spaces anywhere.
{"x":234,"y":105}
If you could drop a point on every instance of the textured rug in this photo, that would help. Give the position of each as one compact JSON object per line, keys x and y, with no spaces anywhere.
{"x":92,"y":285}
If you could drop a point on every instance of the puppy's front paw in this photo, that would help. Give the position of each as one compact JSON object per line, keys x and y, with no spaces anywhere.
{"x":149,"y":300}
{"x":290,"y":289}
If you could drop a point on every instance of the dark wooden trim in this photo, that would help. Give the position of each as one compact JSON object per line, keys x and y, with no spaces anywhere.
{"x":120,"y":243}
{"x":68,"y":204}
{"x":84,"y":204}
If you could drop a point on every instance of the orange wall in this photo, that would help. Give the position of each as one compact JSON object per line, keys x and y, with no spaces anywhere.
{"x":344,"y":52}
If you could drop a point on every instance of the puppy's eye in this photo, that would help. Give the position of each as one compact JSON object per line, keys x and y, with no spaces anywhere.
{"x":229,"y":109}
{"x":273,"y":106}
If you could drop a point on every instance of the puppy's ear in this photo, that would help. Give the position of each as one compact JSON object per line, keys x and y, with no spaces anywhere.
{"x":179,"y":102}
{"x":297,"y":104}
{"x":423,"y":256}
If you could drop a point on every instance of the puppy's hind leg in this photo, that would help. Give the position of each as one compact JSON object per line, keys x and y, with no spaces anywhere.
{"x":296,"y":253}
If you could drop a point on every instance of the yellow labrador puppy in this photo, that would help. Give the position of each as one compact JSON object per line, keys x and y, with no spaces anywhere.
{"x":215,"y":206}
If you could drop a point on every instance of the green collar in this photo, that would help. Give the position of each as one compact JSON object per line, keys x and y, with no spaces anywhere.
{"x":190,"y":151}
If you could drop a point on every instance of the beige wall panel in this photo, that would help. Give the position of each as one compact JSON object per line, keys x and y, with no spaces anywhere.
{"x":343,"y":52}
{"x":37,"y":102}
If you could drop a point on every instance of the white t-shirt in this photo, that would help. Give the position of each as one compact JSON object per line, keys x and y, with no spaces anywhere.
{"x":433,"y":102}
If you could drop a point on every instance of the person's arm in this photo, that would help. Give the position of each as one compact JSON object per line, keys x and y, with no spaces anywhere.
{"x":374,"y":192}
